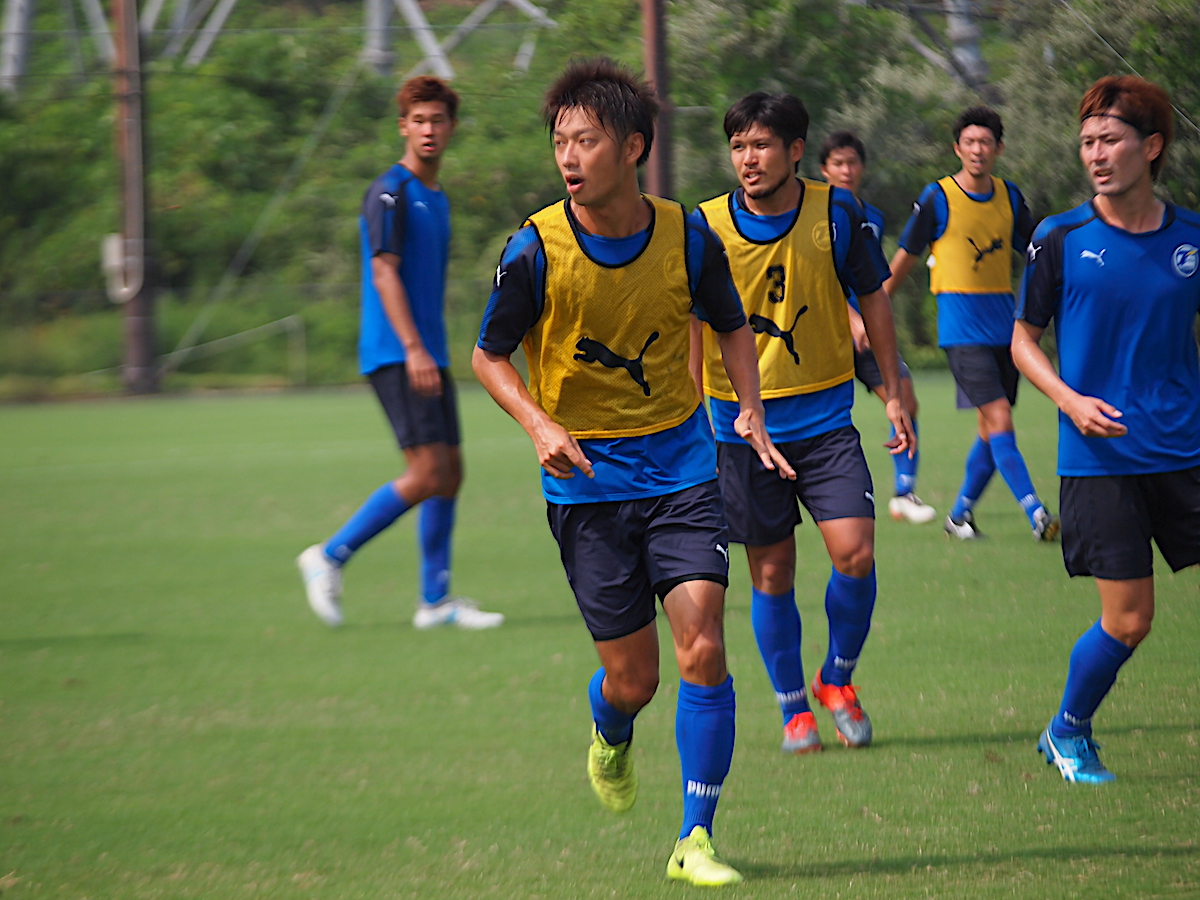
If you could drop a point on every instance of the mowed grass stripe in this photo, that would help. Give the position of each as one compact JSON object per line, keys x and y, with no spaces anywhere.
{"x":175,"y":723}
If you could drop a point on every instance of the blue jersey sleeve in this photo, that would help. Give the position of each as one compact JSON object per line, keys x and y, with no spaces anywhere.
{"x":859,"y":259}
{"x":875,"y":219}
{"x":714,"y":297}
{"x":927,"y":222}
{"x":518,"y":294}
{"x":1023,"y":222}
{"x":385,"y":212}
{"x":1041,"y":286}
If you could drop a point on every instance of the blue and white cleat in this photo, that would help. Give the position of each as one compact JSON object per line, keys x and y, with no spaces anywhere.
{"x":1076,"y":758}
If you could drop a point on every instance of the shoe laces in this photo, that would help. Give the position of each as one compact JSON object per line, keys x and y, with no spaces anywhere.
{"x":850,"y":703}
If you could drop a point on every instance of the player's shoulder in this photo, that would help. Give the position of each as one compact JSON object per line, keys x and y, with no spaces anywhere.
{"x":841,"y":197}
{"x":525,"y":241}
{"x":1187,"y":217}
{"x":388,"y":187}
{"x":1059,"y":224}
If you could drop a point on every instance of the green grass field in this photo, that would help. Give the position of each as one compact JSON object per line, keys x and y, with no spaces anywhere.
{"x":175,"y":723}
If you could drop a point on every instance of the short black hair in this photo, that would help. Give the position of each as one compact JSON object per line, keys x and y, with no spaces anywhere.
{"x":840,"y":139}
{"x":983,"y":116}
{"x":783,"y":114}
{"x":622,"y":103}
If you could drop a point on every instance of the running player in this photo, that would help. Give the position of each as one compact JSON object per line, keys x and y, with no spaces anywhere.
{"x":1120,"y":278}
{"x":405,"y":239}
{"x":600,"y":289}
{"x":843,"y":163}
{"x":797,"y":248}
{"x":972,"y":221}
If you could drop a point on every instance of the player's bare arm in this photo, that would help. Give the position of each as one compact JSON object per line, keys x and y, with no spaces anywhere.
{"x":902,"y":263}
{"x":740,"y":356}
{"x":420,"y":366}
{"x":1092,"y":416}
{"x":858,"y":331}
{"x":557,"y":451}
{"x":881,"y":329}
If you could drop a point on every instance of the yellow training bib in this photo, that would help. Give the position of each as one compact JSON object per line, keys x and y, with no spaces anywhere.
{"x":974,"y":255}
{"x":608,"y":357}
{"x":793,"y":299}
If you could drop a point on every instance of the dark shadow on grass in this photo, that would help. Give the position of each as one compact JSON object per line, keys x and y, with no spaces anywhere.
{"x":75,"y":640}
{"x":1009,"y":737}
{"x":913,"y":863}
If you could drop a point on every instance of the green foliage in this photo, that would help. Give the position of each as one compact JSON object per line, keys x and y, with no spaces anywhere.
{"x":222,"y":136}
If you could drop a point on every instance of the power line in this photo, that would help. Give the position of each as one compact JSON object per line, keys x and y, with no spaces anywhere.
{"x":1113,"y":50}
{"x":181,"y":352}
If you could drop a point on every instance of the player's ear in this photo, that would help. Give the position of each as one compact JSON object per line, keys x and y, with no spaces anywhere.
{"x":634,"y":145}
{"x":796,"y":151}
{"x":1153,"y":146}
{"x":999,"y":147}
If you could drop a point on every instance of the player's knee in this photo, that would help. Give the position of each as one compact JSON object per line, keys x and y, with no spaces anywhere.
{"x":776,"y":577}
{"x":1133,"y":628}
{"x":633,"y":690}
{"x":856,"y":561}
{"x":703,"y":661}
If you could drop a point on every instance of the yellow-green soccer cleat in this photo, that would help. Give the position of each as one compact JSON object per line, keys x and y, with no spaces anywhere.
{"x":695,"y":861}
{"x":610,"y":770}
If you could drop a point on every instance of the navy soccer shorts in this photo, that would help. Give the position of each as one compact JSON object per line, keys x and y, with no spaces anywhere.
{"x":618,"y":555}
{"x":415,"y":418}
{"x":832,"y":481}
{"x":983,"y":374}
{"x":866,"y":369}
{"x":1108,"y":522}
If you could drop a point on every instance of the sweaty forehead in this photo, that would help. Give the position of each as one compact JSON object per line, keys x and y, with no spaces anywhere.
{"x":575,"y":119}
{"x":1109,"y":122}
{"x":756,"y":132}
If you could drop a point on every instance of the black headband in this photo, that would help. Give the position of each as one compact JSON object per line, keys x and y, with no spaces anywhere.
{"x":1107,"y":115}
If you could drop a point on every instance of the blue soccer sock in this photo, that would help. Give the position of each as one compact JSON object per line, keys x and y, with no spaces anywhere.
{"x":849,"y":603}
{"x":434,"y":526}
{"x":615,"y":726}
{"x":382,"y":508}
{"x":1095,"y":660}
{"x":906,"y":469}
{"x":776,"y":623}
{"x":704,"y":725}
{"x":980,"y":466}
{"x":1012,"y":466}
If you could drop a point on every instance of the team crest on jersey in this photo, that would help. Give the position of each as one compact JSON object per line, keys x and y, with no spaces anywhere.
{"x":821,"y":237}
{"x":1186,"y":259}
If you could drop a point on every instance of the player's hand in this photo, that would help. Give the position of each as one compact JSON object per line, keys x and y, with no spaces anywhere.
{"x":558,"y":452}
{"x":423,"y":374}
{"x":858,"y":331}
{"x":1093,"y":417}
{"x":751,"y":426}
{"x":905,"y":437}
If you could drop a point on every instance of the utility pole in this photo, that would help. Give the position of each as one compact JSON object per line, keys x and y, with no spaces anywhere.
{"x":125,"y":259}
{"x":658,"y":179}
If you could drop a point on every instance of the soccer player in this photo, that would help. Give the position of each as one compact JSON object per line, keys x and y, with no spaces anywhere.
{"x":797,"y":248}
{"x":600,"y":288}
{"x":1120,"y":278}
{"x":405,"y":239}
{"x":972,"y":221}
{"x":843,"y":163}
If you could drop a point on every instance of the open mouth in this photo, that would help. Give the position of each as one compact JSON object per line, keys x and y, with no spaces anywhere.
{"x":574,"y":182}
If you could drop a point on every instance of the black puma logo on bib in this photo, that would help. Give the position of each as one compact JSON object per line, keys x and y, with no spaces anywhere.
{"x":762,"y":325}
{"x":593,"y":351}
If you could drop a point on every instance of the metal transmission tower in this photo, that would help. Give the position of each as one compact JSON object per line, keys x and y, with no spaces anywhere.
{"x":436,"y":53}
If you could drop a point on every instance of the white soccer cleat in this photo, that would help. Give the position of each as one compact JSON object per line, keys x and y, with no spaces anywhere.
{"x":965,"y":530}
{"x":457,"y":611}
{"x":911,"y":508}
{"x":322,"y":583}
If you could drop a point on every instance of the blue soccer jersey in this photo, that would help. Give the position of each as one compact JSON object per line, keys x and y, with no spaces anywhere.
{"x":875,"y":220}
{"x":626,"y":468}
{"x":1123,"y":307}
{"x":400,"y":215}
{"x":983,"y":318}
{"x":862,"y":269}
